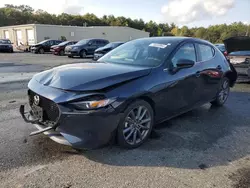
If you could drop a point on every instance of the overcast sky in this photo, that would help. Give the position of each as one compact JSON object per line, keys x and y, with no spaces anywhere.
{"x":182,"y":12}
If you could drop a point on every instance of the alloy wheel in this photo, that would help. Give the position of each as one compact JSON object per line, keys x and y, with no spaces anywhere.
{"x":41,"y":51}
{"x":61,"y":53}
{"x":224,"y":92}
{"x":137,"y":125}
{"x":83,"y":54}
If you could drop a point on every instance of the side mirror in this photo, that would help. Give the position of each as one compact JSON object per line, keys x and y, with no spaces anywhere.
{"x":90,"y":44}
{"x":184,"y":63}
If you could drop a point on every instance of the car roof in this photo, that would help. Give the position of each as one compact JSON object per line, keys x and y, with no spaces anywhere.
{"x":95,"y":39}
{"x":176,"y":40}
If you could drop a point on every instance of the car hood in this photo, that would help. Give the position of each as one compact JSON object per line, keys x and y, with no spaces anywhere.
{"x":234,"y":44}
{"x":89,"y":76}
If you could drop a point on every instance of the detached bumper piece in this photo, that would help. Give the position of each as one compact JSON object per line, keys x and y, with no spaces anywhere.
{"x":47,"y":130}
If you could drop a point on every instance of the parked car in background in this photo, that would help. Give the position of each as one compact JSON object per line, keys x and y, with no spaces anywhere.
{"x":59,"y":49}
{"x":140,"y":83}
{"x":239,"y":53}
{"x":99,"y":52}
{"x":6,"y":45}
{"x":85,"y":47}
{"x":222,"y":48}
{"x":44,"y":46}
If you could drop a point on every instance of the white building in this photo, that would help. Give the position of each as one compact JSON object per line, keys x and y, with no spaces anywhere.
{"x":33,"y":33}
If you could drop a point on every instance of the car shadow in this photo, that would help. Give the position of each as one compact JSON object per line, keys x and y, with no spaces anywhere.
{"x":202,"y":138}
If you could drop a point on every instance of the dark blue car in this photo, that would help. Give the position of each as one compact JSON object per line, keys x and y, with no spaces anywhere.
{"x":85,"y":47}
{"x":127,"y":91}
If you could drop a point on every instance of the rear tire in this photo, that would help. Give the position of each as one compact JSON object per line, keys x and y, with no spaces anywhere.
{"x":136,"y":125}
{"x":223,"y":93}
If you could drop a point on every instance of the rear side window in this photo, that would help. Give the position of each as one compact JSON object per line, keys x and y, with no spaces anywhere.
{"x":206,"y":52}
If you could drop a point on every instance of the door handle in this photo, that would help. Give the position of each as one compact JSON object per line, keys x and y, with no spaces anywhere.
{"x":219,"y":67}
{"x":197,"y":74}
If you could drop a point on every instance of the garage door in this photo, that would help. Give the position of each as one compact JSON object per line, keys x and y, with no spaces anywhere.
{"x":6,"y":35}
{"x":19,"y":37}
{"x":30,"y":36}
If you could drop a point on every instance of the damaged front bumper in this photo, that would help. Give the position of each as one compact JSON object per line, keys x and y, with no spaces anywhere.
{"x":49,"y":131}
{"x":83,"y":130}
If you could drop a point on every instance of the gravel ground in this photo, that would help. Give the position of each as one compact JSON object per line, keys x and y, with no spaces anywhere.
{"x":206,"y":147}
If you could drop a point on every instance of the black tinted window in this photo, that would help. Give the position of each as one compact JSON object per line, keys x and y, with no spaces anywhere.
{"x":206,"y":51}
{"x":187,"y":51}
{"x":57,"y":42}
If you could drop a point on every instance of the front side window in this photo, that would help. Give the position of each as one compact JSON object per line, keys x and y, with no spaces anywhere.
{"x":187,"y":51}
{"x":206,"y":52}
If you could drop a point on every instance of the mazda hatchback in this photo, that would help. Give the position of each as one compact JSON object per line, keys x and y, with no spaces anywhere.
{"x":126,"y":92}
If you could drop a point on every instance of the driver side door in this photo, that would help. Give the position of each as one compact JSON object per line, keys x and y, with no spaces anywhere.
{"x":181,"y":90}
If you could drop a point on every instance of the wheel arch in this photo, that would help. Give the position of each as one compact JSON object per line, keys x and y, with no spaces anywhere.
{"x":144,"y":98}
{"x":84,"y":49}
{"x":232,"y":76}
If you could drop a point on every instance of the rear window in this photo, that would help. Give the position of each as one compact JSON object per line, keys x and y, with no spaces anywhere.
{"x":207,"y":52}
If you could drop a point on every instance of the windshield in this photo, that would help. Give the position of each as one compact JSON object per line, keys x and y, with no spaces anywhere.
{"x":83,"y":42}
{"x":141,"y":52}
{"x":112,"y":45}
{"x":63,"y":43}
{"x":42,"y":42}
{"x":241,"y":53}
{"x":5,"y":42}
{"x":109,"y":45}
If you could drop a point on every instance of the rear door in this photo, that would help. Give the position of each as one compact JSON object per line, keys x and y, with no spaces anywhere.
{"x":210,"y":67}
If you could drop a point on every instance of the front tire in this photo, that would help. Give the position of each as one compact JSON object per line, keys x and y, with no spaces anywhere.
{"x":61,"y":53}
{"x":223,"y":93}
{"x":135,"y":125}
{"x":41,"y":51}
{"x":83,"y":54}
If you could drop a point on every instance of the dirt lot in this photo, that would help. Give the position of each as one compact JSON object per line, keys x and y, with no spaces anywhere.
{"x":207,"y":147}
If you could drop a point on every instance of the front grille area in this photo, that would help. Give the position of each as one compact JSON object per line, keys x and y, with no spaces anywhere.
{"x":50,"y":109}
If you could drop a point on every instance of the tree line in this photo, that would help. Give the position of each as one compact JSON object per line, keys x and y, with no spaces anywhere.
{"x":24,"y":14}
